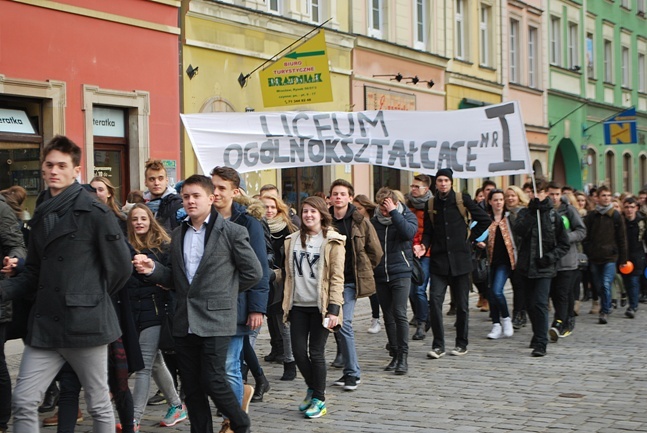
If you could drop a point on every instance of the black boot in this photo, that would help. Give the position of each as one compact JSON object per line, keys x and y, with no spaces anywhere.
{"x":516,"y":320}
{"x":393,"y":363}
{"x":262,"y":386}
{"x":524,"y":318}
{"x":339,"y":358}
{"x":401,"y":366}
{"x":289,"y":371}
{"x":420,"y":332}
{"x":51,"y":398}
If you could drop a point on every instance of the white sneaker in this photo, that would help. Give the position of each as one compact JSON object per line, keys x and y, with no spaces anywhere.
{"x":496,"y":333}
{"x":508,"y":330}
{"x":375,"y":326}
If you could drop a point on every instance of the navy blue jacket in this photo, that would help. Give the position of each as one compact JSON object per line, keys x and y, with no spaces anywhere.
{"x":253,"y":300}
{"x":397,"y":243}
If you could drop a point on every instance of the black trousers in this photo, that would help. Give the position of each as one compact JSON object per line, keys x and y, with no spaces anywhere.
{"x":202,"y":370}
{"x":5,"y":381}
{"x":459,"y":286}
{"x":308,"y":346}
{"x":537,"y":291}
{"x":561,"y":293}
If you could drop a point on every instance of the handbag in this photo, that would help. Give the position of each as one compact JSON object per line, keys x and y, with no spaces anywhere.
{"x":417,"y":274}
{"x":167,"y":342}
{"x":480,"y":265}
{"x":582,"y":261}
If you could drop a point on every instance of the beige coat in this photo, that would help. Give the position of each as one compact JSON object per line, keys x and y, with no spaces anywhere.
{"x":331,"y":280}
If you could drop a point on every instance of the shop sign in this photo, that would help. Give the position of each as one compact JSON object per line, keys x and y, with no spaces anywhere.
{"x":108,"y":122}
{"x":382,"y":99}
{"x":300,"y":77}
{"x":474,"y":143}
{"x":621,"y":128}
{"x":15,"y":121}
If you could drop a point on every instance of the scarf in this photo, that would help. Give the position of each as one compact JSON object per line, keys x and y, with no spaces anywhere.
{"x":52,"y":209}
{"x":276,"y":224}
{"x":603,"y":209}
{"x":386,"y":221}
{"x":419,"y":202}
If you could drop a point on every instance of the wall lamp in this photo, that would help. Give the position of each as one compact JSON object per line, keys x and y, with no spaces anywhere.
{"x":397,"y":77}
{"x":412,"y":80}
{"x":191,"y":71}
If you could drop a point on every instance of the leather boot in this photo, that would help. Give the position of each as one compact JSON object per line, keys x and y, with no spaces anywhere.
{"x":289,"y":371}
{"x":595,"y":307}
{"x":420,"y":332}
{"x":401,"y":366}
{"x":262,"y":386}
{"x":51,"y":399}
{"x":339,"y":358}
{"x":393,"y":363}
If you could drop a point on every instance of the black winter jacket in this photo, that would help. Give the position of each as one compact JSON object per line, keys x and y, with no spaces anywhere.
{"x":554,"y":239}
{"x":147,"y":299}
{"x":397,"y":243}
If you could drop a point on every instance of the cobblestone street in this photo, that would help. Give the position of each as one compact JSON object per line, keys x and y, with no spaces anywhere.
{"x":592,"y":381}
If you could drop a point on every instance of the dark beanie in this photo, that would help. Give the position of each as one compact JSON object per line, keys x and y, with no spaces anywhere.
{"x":447,"y":172}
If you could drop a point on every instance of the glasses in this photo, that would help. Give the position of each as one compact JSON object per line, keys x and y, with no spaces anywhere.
{"x":417,"y":186}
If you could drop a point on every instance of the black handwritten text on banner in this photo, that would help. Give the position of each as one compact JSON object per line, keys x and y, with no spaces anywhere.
{"x":478,"y":142}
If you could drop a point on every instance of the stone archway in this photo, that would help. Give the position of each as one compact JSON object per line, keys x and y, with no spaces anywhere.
{"x":566,"y":165}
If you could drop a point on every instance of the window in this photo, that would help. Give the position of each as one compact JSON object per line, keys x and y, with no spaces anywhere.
{"x":640,"y":6}
{"x":514,"y":51}
{"x":642,"y":73}
{"x":484,"y":33}
{"x":643,"y":170}
{"x":592,"y":161}
{"x":573,"y":52}
{"x":555,"y":41}
{"x":533,"y":41}
{"x":626,"y":68}
{"x":461,"y":23}
{"x":627,"y":172}
{"x":608,"y":61}
{"x":610,"y":167}
{"x":314,"y":10}
{"x":420,"y":29}
{"x":625,"y":4}
{"x":590,"y":64}
{"x":375,"y":18}
{"x":274,"y":6}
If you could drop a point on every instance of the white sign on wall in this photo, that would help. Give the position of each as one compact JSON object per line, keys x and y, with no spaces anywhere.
{"x":108,"y":122}
{"x":15,"y":121}
{"x":474,"y":143}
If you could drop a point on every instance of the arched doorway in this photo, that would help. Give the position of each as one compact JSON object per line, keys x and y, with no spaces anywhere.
{"x":566,"y":165}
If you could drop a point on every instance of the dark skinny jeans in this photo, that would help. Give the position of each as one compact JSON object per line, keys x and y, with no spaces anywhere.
{"x":306,"y":323}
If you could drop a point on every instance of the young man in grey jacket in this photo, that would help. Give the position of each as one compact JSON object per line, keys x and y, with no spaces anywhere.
{"x":211,"y":262}
{"x":568,"y":274}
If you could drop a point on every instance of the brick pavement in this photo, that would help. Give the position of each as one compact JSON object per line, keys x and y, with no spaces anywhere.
{"x":496,"y":387}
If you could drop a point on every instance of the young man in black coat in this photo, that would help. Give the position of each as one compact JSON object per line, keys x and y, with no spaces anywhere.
{"x":77,"y":259}
{"x":537,"y":269}
{"x":451,"y":259}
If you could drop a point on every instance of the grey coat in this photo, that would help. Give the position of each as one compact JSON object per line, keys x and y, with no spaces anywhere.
{"x":208,"y":306}
{"x":12,"y":245}
{"x":576,"y":234}
{"x":71,"y":276}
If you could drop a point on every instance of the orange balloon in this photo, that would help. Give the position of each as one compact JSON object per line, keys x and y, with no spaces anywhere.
{"x":627,"y":268}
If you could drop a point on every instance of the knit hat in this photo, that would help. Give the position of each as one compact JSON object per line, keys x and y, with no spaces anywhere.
{"x":447,"y":172}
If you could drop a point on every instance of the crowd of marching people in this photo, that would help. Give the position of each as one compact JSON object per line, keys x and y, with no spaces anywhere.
{"x":175,"y":285}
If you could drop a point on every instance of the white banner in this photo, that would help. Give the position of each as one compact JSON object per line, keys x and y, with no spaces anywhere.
{"x":477,"y":142}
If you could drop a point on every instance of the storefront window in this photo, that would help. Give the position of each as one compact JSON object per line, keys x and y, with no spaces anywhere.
{"x":20,"y":147}
{"x":111,"y":148}
{"x":385,"y":176}
{"x":299,"y":183}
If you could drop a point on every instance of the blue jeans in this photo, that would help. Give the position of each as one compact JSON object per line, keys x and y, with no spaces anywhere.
{"x":632,"y":287}
{"x":602,"y":277}
{"x":232,"y":366}
{"x":498,"y":304}
{"x":346,"y":333}
{"x":418,"y":294}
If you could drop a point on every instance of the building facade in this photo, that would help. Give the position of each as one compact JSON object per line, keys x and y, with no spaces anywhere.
{"x":103,"y":73}
{"x":597,"y":52}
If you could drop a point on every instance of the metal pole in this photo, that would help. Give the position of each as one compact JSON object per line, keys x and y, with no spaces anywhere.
{"x":541,"y":247}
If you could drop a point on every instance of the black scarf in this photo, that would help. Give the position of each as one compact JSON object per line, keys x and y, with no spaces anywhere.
{"x":52,"y":209}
